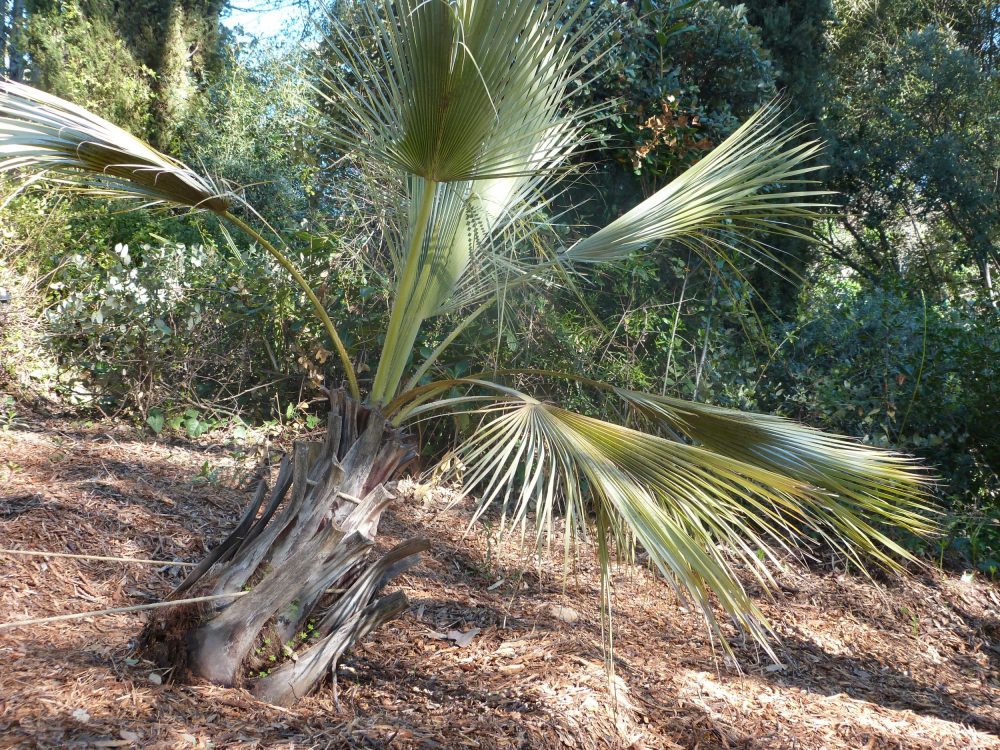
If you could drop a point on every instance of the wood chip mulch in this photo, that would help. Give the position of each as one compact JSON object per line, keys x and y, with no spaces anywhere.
{"x":497,"y":651}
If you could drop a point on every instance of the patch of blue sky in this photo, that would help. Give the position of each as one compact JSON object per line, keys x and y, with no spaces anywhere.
{"x":267,"y":19}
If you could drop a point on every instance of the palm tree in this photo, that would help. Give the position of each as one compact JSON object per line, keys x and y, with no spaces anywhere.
{"x":466,"y":102}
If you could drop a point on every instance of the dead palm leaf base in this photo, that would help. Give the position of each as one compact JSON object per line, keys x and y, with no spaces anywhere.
{"x":304,"y":559}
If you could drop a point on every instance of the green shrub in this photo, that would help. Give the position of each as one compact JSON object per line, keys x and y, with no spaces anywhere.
{"x":884,"y":366}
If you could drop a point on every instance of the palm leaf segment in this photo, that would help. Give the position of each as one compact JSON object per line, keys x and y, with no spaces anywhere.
{"x":39,"y":131}
{"x":754,"y":487}
{"x":755,"y":180}
{"x":860,"y":482}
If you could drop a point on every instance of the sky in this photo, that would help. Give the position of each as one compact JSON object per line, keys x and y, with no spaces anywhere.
{"x":263,"y":18}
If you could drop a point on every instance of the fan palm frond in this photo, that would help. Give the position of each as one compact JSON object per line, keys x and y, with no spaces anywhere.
{"x":864,"y":484}
{"x":755,"y":180}
{"x":466,"y":99}
{"x":41,"y":132}
{"x":698,"y":515}
{"x":454,"y":91}
{"x":752,"y":487}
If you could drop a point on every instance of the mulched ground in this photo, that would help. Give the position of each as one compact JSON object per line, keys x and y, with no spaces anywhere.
{"x":909,"y":663}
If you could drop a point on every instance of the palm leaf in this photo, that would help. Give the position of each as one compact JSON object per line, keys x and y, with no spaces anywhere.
{"x":43,"y":133}
{"x":753,"y":181}
{"x":457,"y":91}
{"x":466,"y":99}
{"x":699,"y":515}
{"x":864,"y":484}
{"x":754,"y":488}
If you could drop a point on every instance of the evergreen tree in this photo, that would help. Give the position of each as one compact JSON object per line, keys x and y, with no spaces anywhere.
{"x":914,"y":140}
{"x":794,"y":33}
{"x":15,"y":50}
{"x":4,"y":5}
{"x":141,"y":63}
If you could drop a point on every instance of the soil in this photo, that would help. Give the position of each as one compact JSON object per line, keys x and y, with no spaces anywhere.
{"x":498,"y":650}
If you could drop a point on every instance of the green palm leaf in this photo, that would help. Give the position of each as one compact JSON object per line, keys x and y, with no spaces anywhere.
{"x":698,"y":515}
{"x":457,"y":91}
{"x":39,"y":131}
{"x":755,"y":486}
{"x":863,"y":482}
{"x":466,"y":99}
{"x":755,"y":180}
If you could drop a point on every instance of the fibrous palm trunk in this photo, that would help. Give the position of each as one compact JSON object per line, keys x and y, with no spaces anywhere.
{"x":306,"y":566}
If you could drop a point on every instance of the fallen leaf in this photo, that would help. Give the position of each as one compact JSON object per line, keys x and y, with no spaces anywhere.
{"x":463,"y":639}
{"x":564,"y":614}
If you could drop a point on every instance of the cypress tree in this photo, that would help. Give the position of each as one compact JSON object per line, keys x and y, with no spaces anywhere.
{"x":166,"y":49}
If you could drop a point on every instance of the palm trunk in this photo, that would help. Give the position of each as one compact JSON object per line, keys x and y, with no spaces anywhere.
{"x":308,"y":570}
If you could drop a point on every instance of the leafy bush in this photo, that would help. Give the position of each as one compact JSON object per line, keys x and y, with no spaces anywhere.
{"x":254,"y":125}
{"x":683,"y":75}
{"x":139,"y":320}
{"x":140,"y":317}
{"x":884,"y":366}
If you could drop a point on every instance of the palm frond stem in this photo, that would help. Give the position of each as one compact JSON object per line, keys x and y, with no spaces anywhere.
{"x":414,"y":395}
{"x":445,"y":343}
{"x":394,"y":351}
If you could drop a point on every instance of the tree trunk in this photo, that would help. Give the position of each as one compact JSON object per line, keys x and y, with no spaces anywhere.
{"x":986,"y":276}
{"x":308,"y":571}
{"x":14,"y":41}
{"x":3,"y":36}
